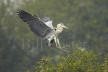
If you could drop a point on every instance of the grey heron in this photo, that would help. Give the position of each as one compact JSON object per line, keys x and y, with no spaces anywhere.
{"x":42,"y":27}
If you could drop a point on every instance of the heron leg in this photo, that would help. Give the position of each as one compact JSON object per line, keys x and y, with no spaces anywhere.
{"x":58,"y":42}
{"x":55,"y":39}
{"x":48,"y":42}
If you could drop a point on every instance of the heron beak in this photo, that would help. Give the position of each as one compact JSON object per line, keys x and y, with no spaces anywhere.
{"x":66,"y":27}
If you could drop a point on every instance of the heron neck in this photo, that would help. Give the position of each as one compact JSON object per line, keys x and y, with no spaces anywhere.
{"x":59,"y":29}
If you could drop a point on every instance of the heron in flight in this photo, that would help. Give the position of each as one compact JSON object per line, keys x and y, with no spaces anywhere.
{"x":42,"y":27}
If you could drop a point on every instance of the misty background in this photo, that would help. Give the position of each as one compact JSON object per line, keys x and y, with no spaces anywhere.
{"x":87,"y":21}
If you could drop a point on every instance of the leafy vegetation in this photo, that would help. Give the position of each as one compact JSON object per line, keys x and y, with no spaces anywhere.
{"x":78,"y":61}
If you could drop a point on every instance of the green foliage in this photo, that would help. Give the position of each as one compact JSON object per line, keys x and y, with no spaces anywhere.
{"x":78,"y":61}
{"x":46,"y":65}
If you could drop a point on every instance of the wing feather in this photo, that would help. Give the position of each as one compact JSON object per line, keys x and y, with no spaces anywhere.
{"x":48,"y":22}
{"x":36,"y":25}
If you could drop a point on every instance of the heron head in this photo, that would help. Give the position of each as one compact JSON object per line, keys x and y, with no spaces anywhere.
{"x":61,"y":25}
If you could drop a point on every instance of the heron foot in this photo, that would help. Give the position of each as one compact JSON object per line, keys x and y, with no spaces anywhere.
{"x":63,"y":48}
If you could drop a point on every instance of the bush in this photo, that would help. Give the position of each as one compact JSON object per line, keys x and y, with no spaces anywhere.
{"x":78,"y":61}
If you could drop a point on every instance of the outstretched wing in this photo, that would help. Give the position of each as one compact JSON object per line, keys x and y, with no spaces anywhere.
{"x":48,"y":22}
{"x":35,"y":23}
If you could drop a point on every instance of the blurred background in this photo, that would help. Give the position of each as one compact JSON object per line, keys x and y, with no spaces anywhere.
{"x":87,"y":21}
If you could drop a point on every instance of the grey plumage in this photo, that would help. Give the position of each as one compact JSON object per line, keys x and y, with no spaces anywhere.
{"x":35,"y":24}
{"x":46,"y":19}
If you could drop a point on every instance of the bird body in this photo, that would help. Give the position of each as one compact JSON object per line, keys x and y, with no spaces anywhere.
{"x":42,"y":28}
